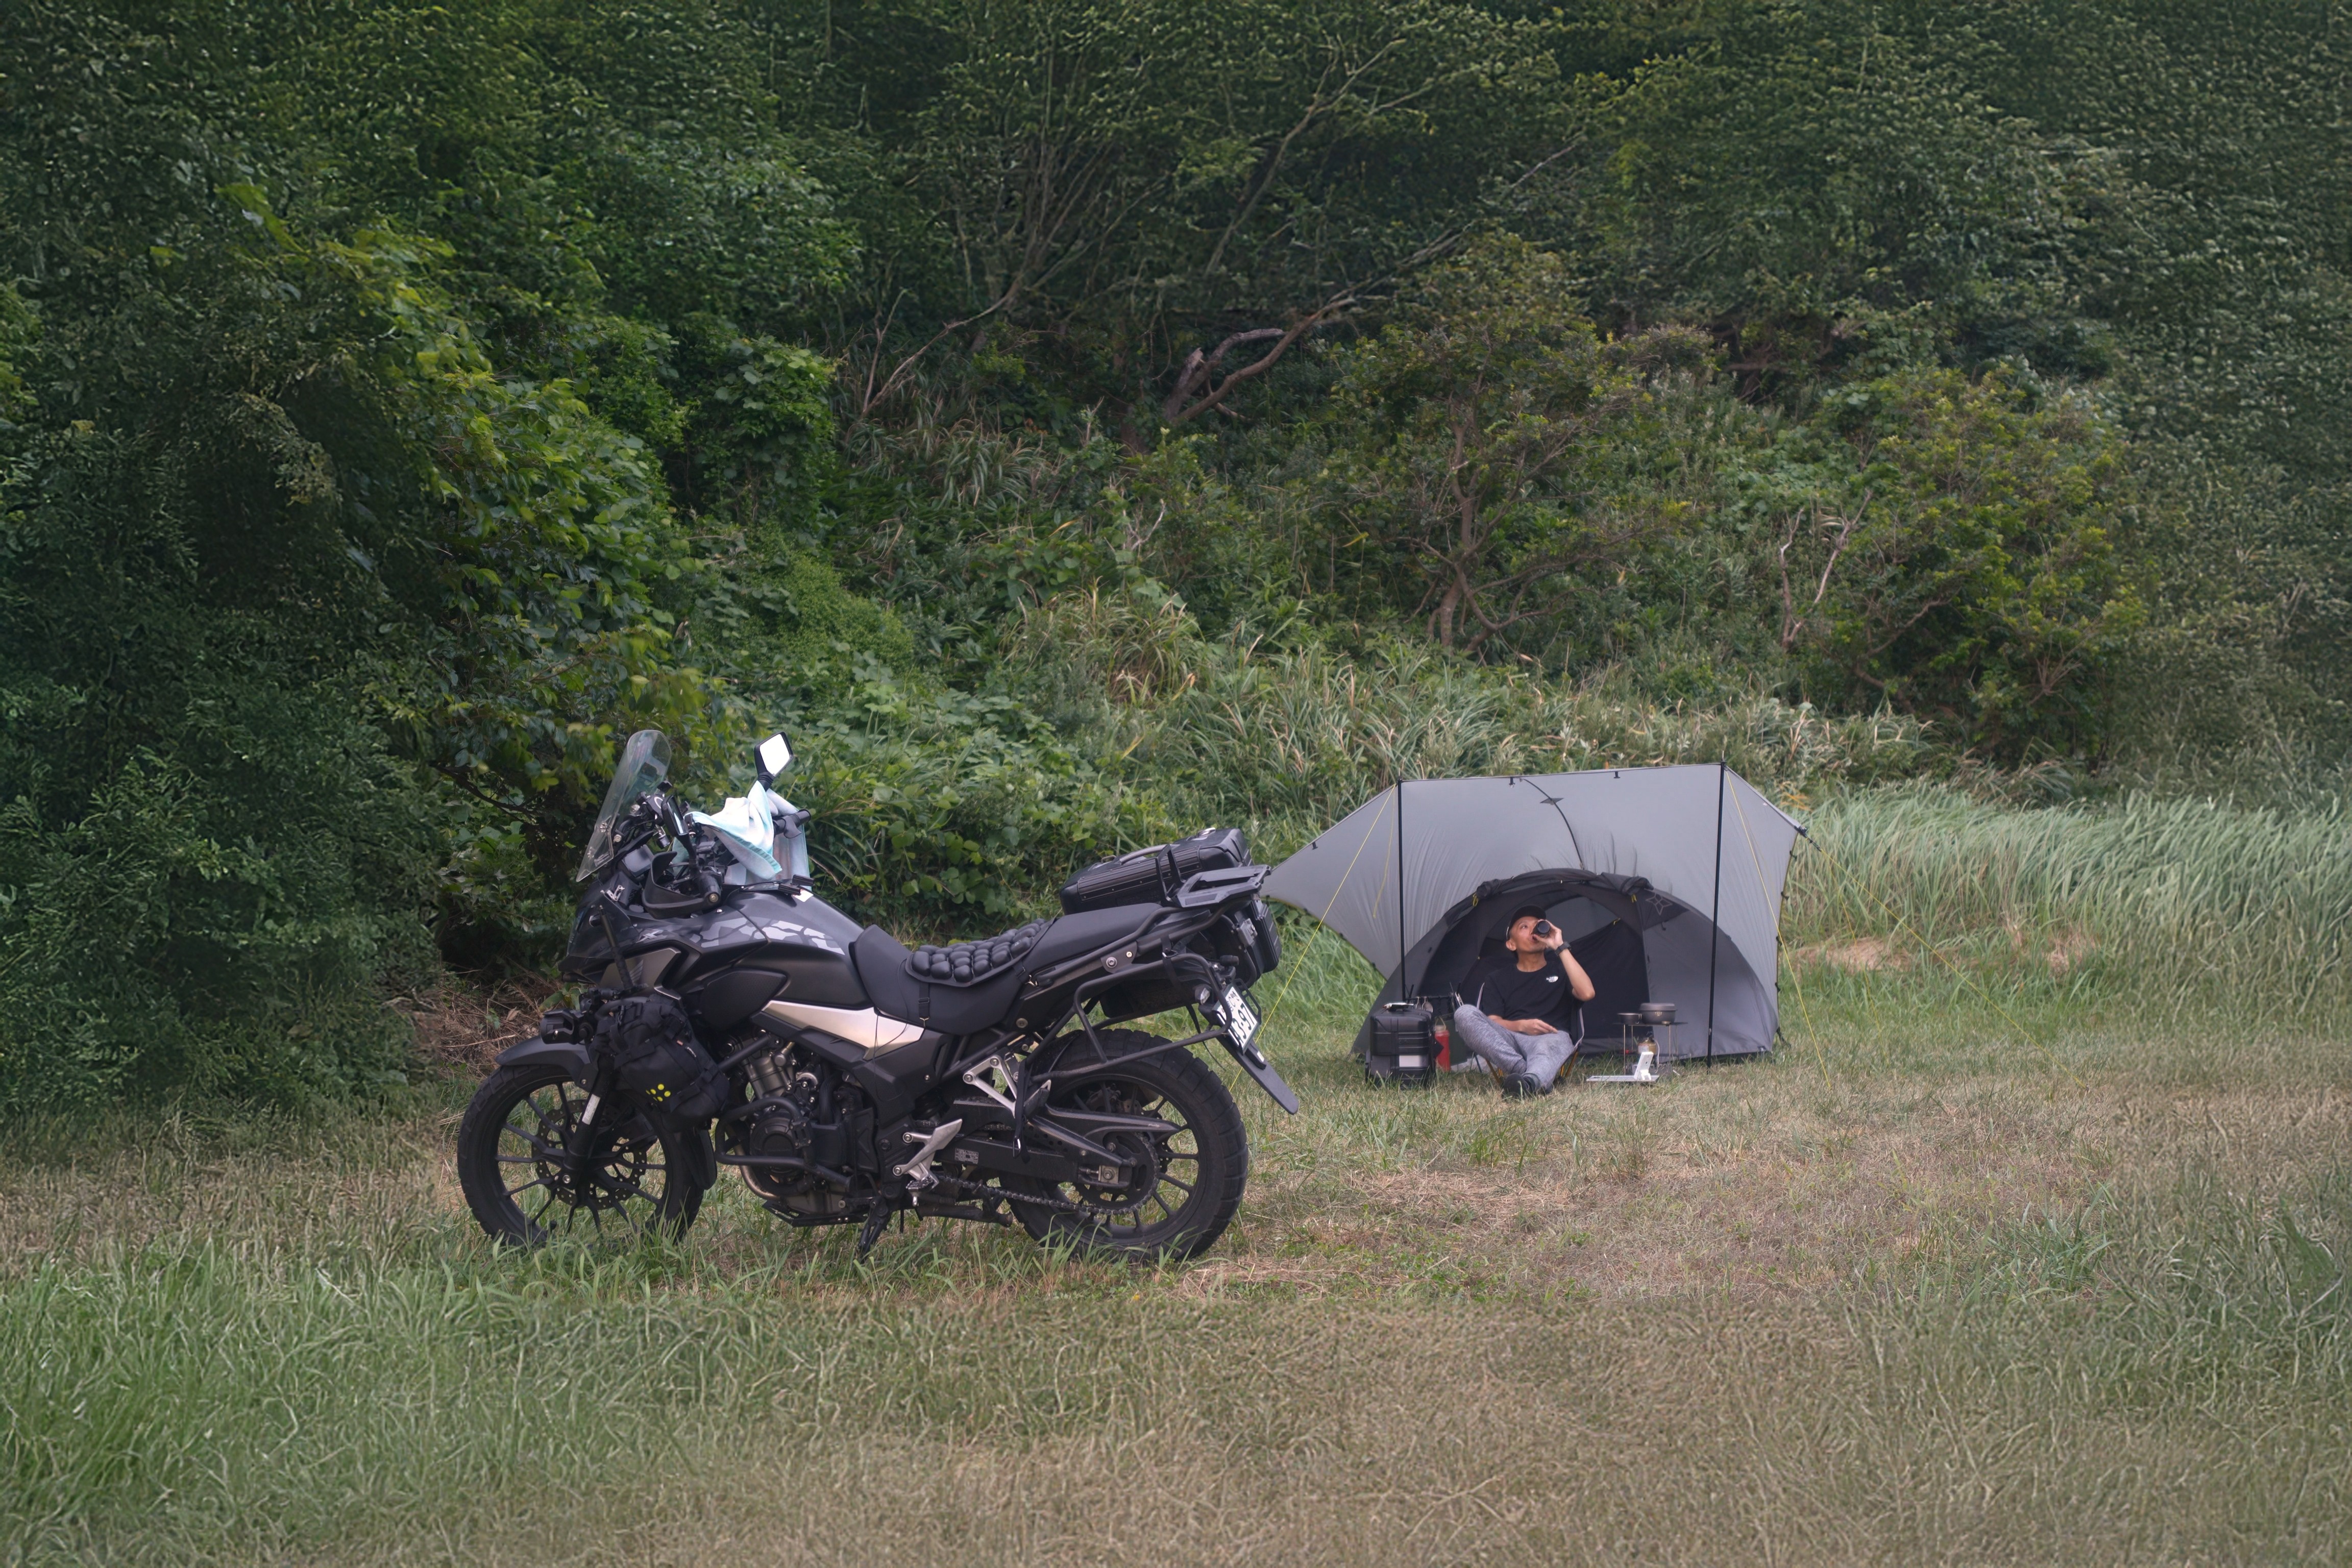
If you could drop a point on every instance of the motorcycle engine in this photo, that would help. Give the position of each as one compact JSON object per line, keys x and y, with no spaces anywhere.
{"x":781,"y":1130}
{"x":799,"y":1103}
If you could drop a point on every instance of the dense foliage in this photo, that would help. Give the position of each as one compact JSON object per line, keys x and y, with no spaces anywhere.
{"x":1075,"y":422}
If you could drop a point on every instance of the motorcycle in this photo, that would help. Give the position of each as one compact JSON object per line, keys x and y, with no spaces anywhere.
{"x":729,"y":1017}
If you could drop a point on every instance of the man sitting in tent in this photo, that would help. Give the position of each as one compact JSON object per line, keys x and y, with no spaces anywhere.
{"x":1522,"y":1010}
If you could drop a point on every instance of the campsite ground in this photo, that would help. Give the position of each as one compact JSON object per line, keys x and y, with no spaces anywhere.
{"x":1941,"y":1282}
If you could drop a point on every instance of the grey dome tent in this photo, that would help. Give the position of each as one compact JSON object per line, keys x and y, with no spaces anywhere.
{"x":1669,"y":879}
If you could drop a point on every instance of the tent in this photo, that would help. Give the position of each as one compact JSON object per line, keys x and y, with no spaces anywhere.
{"x":1666,"y":881}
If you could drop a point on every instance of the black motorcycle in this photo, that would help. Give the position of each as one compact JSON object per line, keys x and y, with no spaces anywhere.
{"x":729,"y":1016}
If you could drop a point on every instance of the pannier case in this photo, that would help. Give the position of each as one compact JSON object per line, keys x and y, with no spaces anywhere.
{"x":1403,"y":1043}
{"x":653,"y":1052}
{"x":1153,"y":876}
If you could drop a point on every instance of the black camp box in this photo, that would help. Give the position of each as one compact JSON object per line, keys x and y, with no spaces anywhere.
{"x":1403,"y":1043}
{"x":1153,"y":876}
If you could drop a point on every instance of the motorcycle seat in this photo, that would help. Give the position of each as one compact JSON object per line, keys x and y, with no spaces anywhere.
{"x":970,"y":963}
{"x":1070,"y":936}
{"x":898,"y":991}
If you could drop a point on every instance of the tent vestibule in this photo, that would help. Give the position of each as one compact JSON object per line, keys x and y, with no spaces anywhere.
{"x":1667,"y":880}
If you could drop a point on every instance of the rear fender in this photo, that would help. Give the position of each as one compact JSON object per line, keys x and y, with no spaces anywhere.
{"x":1261,"y":1072}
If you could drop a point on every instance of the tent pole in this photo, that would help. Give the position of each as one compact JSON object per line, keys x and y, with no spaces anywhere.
{"x":1403,"y":997}
{"x":1715,"y":918}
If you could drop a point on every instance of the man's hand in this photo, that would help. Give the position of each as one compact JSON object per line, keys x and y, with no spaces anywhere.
{"x":1524,"y":1025}
{"x":1578,"y":981}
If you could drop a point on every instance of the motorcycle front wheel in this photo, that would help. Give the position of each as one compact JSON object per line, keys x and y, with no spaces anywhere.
{"x":1186,"y":1184}
{"x":524,"y":1188}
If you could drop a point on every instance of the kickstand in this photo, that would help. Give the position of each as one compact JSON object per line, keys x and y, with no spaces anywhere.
{"x":877,"y":1220}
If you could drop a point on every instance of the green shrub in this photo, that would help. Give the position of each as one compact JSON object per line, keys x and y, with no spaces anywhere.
{"x":224,"y":934}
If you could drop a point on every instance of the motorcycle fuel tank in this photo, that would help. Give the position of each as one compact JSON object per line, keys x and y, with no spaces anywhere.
{"x":765,"y":950}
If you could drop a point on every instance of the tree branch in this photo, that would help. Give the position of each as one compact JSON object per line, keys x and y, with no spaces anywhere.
{"x":1791,"y":622}
{"x":875,"y":397}
{"x":519,"y":813}
{"x":1198,"y":373}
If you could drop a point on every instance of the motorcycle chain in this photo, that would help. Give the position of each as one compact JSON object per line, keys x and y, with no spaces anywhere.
{"x":1059,"y":1205}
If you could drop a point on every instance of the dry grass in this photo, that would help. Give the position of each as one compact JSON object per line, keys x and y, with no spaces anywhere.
{"x":1907,"y":1293}
{"x":1857,"y":955}
{"x":2030,"y":1248}
{"x":462,"y":1028}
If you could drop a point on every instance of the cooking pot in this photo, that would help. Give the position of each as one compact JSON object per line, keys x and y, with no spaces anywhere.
{"x":1657,"y":1012}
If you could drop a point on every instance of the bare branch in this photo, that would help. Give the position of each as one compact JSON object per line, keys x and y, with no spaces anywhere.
{"x":1547,"y":160}
{"x":1924,"y":611}
{"x":1264,"y":179}
{"x":479,"y":792}
{"x":876,"y":397}
{"x":1198,"y":365}
{"x":1792,"y":625}
{"x":1845,"y":527}
{"x":1176,"y":411}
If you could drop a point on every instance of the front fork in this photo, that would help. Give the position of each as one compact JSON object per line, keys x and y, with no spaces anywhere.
{"x":581,"y":1138}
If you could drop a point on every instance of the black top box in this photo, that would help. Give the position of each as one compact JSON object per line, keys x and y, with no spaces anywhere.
{"x":1153,"y":876}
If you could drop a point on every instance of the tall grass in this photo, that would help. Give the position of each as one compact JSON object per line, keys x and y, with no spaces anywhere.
{"x":2174,"y":907}
{"x":1286,"y":737}
{"x":2171,"y":907}
{"x":1115,"y":724}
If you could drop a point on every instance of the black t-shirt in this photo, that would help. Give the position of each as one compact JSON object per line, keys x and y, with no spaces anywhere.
{"x":1500,"y":988}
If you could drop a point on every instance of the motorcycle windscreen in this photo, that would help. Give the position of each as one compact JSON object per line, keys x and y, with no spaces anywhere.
{"x":645,"y":768}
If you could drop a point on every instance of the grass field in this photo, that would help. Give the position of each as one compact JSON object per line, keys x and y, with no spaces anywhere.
{"x":1992,"y":1264}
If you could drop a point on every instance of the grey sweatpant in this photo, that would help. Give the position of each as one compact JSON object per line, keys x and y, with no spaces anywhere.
{"x":1539,"y":1056}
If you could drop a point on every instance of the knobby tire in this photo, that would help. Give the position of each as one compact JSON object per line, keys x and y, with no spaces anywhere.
{"x":637,"y":1183}
{"x":1202,"y":1168}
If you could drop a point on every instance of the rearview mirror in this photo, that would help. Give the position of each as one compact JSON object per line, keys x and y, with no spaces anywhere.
{"x":775,"y":756}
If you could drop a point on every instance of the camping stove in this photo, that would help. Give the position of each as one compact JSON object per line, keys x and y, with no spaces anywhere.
{"x":1650,"y":1064}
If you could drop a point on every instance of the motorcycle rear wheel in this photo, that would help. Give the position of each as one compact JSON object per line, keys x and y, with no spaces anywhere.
{"x":1178,"y":1209}
{"x":635,"y":1181}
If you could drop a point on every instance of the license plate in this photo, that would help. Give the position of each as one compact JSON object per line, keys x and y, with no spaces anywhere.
{"x":1241,"y":1019}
